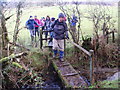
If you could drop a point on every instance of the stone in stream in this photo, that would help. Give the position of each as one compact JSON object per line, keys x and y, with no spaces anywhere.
{"x":116,"y":76}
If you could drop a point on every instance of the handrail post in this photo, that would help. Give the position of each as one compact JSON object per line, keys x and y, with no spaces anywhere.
{"x":113,"y":37}
{"x":91,"y":67}
{"x":41,"y":43}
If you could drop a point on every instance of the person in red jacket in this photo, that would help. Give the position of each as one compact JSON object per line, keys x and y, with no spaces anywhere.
{"x":36,"y":26}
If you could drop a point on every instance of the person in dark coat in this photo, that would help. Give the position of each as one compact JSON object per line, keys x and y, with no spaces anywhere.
{"x":60,"y":31}
{"x":47,"y":26}
{"x":30,"y":24}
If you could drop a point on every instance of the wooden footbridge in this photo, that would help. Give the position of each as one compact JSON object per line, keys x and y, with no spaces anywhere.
{"x":68,"y":75}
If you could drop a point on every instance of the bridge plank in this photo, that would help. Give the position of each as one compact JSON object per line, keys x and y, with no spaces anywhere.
{"x":62,"y":65}
{"x":71,"y":74}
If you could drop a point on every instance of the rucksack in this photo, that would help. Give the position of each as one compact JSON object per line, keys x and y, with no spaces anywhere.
{"x":29,"y":22}
{"x":57,"y":22}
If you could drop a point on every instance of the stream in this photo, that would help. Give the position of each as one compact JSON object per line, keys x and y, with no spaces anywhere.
{"x":51,"y":82}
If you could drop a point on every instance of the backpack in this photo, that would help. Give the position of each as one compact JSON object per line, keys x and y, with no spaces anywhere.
{"x":57,"y":22}
{"x":29,"y":22}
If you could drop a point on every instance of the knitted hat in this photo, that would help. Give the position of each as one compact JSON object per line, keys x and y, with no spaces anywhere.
{"x":30,"y":16}
{"x":61,"y":15}
{"x":52,"y":19}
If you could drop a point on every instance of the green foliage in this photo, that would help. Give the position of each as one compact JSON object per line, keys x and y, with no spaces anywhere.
{"x":106,"y":84}
{"x":69,"y":51}
{"x":6,"y":58}
{"x":26,"y":71}
{"x":38,"y":59}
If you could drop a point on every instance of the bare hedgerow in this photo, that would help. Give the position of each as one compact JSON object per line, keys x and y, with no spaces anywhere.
{"x":107,"y":54}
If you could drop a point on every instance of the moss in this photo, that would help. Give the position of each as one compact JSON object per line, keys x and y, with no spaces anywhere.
{"x":7,"y":58}
{"x":110,"y":84}
{"x":106,"y":84}
{"x":17,"y":64}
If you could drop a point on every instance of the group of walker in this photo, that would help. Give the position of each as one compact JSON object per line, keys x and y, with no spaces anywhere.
{"x":58,"y":31}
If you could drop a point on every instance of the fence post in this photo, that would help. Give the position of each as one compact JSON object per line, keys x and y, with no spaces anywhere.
{"x":107,"y":37}
{"x":41,"y":38}
{"x":113,"y":37}
{"x":91,"y":67}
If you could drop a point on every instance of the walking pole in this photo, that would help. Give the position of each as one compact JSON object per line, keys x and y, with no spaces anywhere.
{"x":64,"y":48}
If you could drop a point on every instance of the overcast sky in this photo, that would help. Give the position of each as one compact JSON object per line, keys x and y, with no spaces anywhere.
{"x":65,"y":0}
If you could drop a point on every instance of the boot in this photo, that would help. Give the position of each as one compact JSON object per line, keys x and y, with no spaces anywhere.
{"x":32,"y":39}
{"x":55,"y":53}
{"x":61,"y":55}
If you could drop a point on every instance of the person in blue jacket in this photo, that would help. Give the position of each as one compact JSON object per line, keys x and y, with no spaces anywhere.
{"x":50,"y":42}
{"x":30,"y":24}
{"x":47,"y":26}
{"x":74,"y":20}
{"x":60,"y":30}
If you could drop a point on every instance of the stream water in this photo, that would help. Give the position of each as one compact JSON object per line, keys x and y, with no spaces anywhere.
{"x":51,"y":82}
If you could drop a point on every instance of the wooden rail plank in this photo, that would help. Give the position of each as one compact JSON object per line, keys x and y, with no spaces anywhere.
{"x":46,"y":38}
{"x":46,"y":31}
{"x":63,"y":65}
{"x":81,"y":48}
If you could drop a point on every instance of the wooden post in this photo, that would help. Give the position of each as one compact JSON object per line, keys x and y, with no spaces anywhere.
{"x":41,"y":43}
{"x":118,"y":35}
{"x":113,"y":37}
{"x":92,"y":67}
{"x":1,"y":39}
{"x":107,"y":36}
{"x":8,"y":50}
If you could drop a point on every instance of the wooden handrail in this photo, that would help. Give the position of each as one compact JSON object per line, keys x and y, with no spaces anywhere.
{"x":91,"y":58}
{"x":81,"y":48}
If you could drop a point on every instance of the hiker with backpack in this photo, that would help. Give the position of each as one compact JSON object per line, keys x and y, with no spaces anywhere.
{"x":37,"y":26}
{"x":59,"y":32}
{"x":73,"y":21}
{"x":42,"y":20}
{"x":47,"y":26}
{"x":30,"y":25}
{"x":52,"y":21}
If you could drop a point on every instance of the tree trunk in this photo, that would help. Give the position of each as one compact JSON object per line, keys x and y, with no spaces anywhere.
{"x":75,"y":40}
{"x":1,"y":48}
{"x":16,"y":30}
{"x":3,"y":34}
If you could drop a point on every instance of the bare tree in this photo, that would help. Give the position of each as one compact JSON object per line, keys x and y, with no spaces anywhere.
{"x":17,"y":25}
{"x":4,"y":17}
{"x":69,"y":12}
{"x":3,"y":31}
{"x":101,"y":18}
{"x":102,"y":21}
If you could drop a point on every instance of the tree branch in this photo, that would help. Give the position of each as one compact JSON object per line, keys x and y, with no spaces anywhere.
{"x":12,"y":56}
{"x":18,"y":45}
